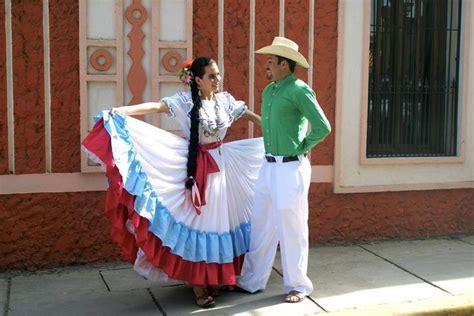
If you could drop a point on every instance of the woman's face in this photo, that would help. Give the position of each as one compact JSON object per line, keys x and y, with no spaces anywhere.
{"x":209,"y":83}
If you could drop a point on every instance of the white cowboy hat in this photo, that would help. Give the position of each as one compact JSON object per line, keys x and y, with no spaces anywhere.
{"x":284,"y":47}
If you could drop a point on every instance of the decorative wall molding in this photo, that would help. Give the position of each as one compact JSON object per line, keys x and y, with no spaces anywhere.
{"x":101,"y":60}
{"x":101,"y":48}
{"x":83,"y":182}
{"x":52,"y":183}
{"x":136,"y":15}
{"x":155,"y":49}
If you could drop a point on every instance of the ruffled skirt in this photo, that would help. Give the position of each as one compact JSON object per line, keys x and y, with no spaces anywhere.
{"x":153,"y":219}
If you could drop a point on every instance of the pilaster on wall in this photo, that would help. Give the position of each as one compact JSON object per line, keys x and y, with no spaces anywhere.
{"x":4,"y":132}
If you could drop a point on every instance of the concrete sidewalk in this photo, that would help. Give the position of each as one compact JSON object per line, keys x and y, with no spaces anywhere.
{"x":417,"y":277}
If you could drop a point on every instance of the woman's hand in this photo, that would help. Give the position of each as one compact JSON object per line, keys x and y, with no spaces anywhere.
{"x":121,"y":110}
{"x":251,"y":116}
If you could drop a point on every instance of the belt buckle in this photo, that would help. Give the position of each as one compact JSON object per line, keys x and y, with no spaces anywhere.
{"x":270,"y":159}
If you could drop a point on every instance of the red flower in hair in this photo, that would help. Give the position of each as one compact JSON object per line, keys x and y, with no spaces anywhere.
{"x":185,"y":74}
{"x":187,"y":63}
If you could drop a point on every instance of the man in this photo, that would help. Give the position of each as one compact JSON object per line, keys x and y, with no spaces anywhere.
{"x":281,"y":193}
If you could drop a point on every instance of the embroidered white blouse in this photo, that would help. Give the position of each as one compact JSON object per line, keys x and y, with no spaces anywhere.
{"x":215,"y":118}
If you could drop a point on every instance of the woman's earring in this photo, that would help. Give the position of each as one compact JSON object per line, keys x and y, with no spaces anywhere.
{"x":199,"y":92}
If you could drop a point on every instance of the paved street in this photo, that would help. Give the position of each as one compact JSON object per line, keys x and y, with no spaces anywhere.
{"x":392,"y":277}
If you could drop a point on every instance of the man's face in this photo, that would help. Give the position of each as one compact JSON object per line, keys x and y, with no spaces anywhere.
{"x":275,"y":70}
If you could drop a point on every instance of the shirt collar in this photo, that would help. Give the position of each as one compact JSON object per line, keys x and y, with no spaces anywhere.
{"x":280,"y":83}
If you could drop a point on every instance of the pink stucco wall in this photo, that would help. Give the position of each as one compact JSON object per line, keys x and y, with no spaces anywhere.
{"x":65,"y":111}
{"x":324,"y":77}
{"x":385,"y":215}
{"x":46,"y":230}
{"x":28,"y":74}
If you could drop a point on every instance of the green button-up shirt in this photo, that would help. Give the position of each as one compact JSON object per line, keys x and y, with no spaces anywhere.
{"x":287,"y":106}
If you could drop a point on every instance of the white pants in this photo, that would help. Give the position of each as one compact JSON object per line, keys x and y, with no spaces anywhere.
{"x":280,"y":215}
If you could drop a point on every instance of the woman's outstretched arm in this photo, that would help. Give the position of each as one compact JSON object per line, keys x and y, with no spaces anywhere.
{"x":141,"y":109}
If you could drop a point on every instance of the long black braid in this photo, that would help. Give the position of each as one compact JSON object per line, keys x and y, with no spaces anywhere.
{"x":198,"y":70}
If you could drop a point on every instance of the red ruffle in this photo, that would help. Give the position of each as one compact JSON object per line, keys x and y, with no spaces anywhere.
{"x":119,"y":207}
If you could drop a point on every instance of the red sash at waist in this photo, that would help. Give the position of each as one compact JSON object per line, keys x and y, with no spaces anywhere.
{"x":205,"y":165}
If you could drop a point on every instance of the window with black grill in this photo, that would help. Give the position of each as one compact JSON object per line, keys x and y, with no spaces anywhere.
{"x":413,"y":78}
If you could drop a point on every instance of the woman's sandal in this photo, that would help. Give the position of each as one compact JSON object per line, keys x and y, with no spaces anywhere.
{"x":294,"y":297}
{"x":202,"y":297}
{"x":214,"y":291}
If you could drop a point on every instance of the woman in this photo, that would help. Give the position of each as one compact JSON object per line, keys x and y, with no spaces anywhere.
{"x":180,"y":208}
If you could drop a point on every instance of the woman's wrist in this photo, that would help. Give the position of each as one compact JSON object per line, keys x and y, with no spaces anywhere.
{"x":121,"y":110}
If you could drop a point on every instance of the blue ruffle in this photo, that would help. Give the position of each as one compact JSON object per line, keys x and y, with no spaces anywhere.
{"x":190,"y":244}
